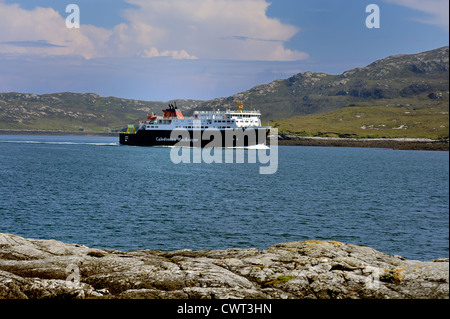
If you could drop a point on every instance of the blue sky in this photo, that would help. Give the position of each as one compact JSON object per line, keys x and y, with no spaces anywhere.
{"x":201,"y":49}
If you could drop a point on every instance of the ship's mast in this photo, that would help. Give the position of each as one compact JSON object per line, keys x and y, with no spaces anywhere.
{"x":240,"y":106}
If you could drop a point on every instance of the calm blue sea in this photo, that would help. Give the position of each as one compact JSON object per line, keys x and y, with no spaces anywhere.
{"x":91,"y":191}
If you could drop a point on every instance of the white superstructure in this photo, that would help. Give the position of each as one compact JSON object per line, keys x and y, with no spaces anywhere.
{"x":233,"y":119}
{"x":173,"y":119}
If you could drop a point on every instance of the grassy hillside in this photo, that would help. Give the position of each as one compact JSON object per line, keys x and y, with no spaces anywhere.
{"x":406,"y":120}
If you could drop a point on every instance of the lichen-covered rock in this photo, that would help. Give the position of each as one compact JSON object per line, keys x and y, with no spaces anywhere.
{"x":32,"y":268}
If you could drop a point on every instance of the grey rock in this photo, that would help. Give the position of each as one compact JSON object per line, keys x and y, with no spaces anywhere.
{"x":37,"y":269}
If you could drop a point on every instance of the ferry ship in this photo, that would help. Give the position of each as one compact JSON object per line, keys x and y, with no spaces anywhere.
{"x":238,"y":128}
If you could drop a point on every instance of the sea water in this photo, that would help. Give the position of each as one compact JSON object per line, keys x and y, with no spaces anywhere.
{"x":95,"y":192}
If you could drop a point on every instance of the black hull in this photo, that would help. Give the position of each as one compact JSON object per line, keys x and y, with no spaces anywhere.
{"x":197,"y":138}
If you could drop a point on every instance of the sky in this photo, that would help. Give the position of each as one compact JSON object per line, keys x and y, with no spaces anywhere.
{"x":158,"y":50}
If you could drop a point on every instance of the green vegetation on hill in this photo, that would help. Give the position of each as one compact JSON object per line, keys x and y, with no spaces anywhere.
{"x":394,"y":79}
{"x":73,"y":111}
{"x":370,"y":122}
{"x":399,"y":96}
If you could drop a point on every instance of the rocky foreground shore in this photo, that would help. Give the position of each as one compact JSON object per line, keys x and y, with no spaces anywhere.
{"x":31,"y":268}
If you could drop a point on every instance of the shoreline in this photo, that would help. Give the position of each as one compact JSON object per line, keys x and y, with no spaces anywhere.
{"x":312,"y":269}
{"x":417,"y":144}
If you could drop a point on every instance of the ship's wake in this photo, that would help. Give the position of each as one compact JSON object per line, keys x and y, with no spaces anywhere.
{"x":251,"y":147}
{"x":62,"y":143}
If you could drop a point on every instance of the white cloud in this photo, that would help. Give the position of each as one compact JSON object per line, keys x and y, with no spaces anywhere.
{"x":223,"y":29}
{"x":46,"y":29}
{"x":181,"y":29}
{"x":438,"y":10}
{"x":179,"y":55}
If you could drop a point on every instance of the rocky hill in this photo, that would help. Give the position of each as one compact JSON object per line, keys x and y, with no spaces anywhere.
{"x":415,"y":82}
{"x":394,"y":80}
{"x":74,"y":111}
